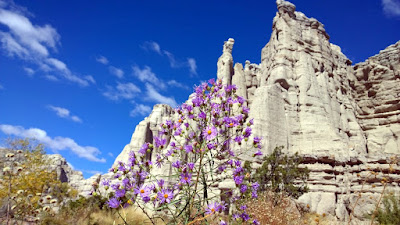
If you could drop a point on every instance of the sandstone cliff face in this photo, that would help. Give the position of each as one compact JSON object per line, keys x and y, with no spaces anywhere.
{"x":306,"y":96}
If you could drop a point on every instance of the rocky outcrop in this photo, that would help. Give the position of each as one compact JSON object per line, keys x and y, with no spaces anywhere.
{"x":64,"y":171}
{"x":55,"y":162}
{"x":305,"y":95}
{"x":377,"y":94}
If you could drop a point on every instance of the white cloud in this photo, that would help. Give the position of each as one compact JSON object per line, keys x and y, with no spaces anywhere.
{"x":116,"y":71}
{"x":90,"y":79}
{"x":122,"y":91}
{"x":35,"y":39}
{"x":391,"y":7}
{"x":101,"y":59}
{"x":153,"y":95}
{"x":110,"y":154}
{"x":173,"y":62}
{"x":1,"y":87}
{"x":51,"y":77}
{"x":56,"y":144}
{"x":174,"y":83}
{"x":140,"y":109}
{"x":29,"y":71}
{"x":64,"y":113}
{"x":146,"y":75}
{"x":32,"y":43}
{"x":192,"y":66}
{"x":152,"y":46}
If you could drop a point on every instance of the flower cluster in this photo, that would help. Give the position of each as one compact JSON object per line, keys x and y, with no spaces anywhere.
{"x":201,"y":146}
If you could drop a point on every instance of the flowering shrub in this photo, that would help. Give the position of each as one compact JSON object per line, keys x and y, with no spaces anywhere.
{"x":201,"y":147}
{"x":27,"y":188}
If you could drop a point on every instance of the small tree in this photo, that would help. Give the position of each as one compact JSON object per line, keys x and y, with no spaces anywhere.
{"x":282,"y":173}
{"x":28,"y":185}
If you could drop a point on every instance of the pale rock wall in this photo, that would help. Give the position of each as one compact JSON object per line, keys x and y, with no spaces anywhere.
{"x":377,"y":93}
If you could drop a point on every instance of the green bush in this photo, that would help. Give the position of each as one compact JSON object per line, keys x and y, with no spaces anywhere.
{"x":390,"y":213}
{"x":282,"y":173}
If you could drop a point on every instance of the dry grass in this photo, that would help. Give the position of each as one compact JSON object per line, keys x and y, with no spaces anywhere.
{"x":131,"y":215}
{"x":273,"y":209}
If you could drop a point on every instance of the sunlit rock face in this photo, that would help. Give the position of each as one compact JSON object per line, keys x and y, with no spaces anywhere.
{"x":305,"y":95}
{"x":377,"y":94}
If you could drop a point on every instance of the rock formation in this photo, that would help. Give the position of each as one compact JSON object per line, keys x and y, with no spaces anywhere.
{"x":57,"y":163}
{"x":305,"y":95}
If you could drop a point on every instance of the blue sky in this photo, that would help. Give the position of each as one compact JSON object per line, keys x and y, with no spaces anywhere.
{"x":80,"y":76}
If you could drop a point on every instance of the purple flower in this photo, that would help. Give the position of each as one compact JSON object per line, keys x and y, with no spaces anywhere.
{"x":251,"y":122}
{"x":202,"y":115}
{"x":256,"y":140}
{"x":254,"y":194}
{"x":143,"y":191}
{"x":160,"y":142}
{"x":176,"y":164}
{"x":160,"y":183}
{"x":209,"y":133}
{"x":189,"y":148}
{"x":238,"y":163}
{"x":197,"y":101}
{"x":258,"y":153}
{"x":245,"y":110}
{"x":159,"y":161}
{"x":210,"y":146}
{"x":245,"y":216}
{"x":143,"y":175}
{"x":178,"y":132}
{"x":211,"y":81}
{"x":115,"y":186}
{"x":190,"y":166}
{"x":144,"y":148}
{"x":229,"y":88}
{"x":243,"y":188}
{"x":120,"y":193}
{"x":106,"y":182}
{"x":255,"y":186}
{"x":223,"y":223}
{"x":230,"y":122}
{"x":113,"y":203}
{"x":238,"y":139}
{"x":213,"y":208}
{"x":247,"y":132}
{"x":255,"y":222}
{"x":125,"y":181}
{"x":165,"y":196}
{"x":221,"y":168}
{"x":243,"y":207}
{"x":146,"y":199}
{"x":238,"y":179}
{"x":186,"y":178}
{"x":237,"y":171}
